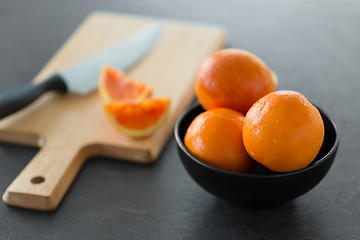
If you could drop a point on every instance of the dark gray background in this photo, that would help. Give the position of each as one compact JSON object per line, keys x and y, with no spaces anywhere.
{"x":313,"y":46}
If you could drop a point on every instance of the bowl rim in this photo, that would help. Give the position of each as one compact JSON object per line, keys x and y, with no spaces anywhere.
{"x":180,"y":143}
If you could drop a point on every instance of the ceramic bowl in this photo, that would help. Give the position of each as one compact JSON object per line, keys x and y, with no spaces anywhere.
{"x":263,"y":188}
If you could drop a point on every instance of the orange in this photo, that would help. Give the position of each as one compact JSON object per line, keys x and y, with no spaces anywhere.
{"x":115,"y":86}
{"x":283,"y":131}
{"x":233,"y":78}
{"x":215,"y":137}
{"x":128,"y":106}
{"x":138,"y":118}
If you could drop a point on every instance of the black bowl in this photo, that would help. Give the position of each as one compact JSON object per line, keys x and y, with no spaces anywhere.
{"x":263,"y":188}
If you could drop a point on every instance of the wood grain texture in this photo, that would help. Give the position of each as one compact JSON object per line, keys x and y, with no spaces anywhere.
{"x":69,"y":128}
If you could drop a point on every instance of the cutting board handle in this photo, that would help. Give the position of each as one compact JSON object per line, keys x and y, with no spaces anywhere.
{"x":44,"y":181}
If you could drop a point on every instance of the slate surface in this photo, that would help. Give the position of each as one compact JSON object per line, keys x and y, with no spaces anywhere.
{"x":314,"y":48}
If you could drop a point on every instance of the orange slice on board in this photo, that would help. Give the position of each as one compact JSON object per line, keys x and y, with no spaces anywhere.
{"x":128,"y":106}
{"x":137,"y":118}
{"x":115,"y":86}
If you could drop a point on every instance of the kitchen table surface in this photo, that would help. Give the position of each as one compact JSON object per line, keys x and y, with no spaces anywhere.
{"x":313,"y":46}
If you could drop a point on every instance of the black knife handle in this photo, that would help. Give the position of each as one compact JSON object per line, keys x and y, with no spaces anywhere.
{"x":19,"y":96}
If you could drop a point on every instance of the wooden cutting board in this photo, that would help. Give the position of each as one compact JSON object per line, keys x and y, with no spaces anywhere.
{"x":70,"y":128}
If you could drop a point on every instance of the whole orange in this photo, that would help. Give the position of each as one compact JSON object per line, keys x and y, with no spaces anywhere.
{"x":233,"y":78}
{"x":215,"y":137}
{"x":283,"y":131}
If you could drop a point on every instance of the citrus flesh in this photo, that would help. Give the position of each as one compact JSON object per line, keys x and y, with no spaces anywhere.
{"x":128,"y":106}
{"x":138,"y":118}
{"x":115,"y":86}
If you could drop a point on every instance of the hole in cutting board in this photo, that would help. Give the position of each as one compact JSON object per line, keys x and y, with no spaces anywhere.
{"x":37,"y":180}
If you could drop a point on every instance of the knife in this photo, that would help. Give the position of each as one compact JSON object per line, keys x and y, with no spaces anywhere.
{"x":82,"y":77}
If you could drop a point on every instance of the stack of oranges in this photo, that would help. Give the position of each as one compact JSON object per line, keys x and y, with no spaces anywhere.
{"x":246,"y":121}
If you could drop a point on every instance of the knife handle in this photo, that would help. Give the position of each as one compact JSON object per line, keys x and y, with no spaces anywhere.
{"x":19,"y":96}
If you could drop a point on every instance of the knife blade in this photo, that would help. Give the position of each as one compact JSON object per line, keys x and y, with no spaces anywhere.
{"x":82,"y":77}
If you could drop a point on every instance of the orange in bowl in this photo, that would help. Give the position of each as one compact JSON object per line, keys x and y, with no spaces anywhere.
{"x":283,"y":131}
{"x":128,"y":106}
{"x":215,"y":138}
{"x":233,"y":78}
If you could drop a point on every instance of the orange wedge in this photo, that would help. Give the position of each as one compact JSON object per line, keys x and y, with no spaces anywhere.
{"x":115,"y":86}
{"x":137,"y":118}
{"x":128,"y":106}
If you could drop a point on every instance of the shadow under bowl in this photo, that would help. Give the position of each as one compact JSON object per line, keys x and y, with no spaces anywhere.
{"x":263,"y":188}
